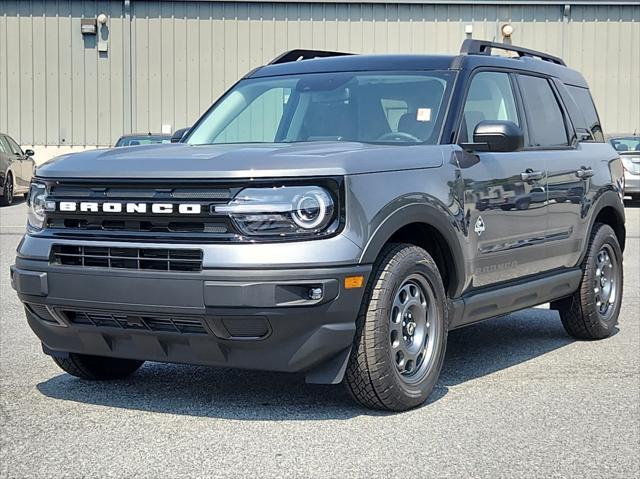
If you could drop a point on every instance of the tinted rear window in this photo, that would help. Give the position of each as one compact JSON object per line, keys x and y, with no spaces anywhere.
{"x":584,"y":101}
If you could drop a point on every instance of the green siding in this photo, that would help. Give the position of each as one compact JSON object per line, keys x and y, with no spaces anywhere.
{"x":56,"y":89}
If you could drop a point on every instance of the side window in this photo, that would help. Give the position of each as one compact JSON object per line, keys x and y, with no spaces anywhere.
{"x":583,"y":98}
{"x":490,"y":97}
{"x":545,"y":118}
{"x":4,"y":146}
{"x":14,"y":146}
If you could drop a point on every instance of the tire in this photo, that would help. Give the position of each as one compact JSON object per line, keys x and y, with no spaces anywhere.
{"x":96,"y":367}
{"x":592,"y":311}
{"x":7,"y":191}
{"x":376,"y":377}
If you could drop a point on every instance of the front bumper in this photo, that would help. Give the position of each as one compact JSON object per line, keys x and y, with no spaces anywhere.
{"x":254,"y":319}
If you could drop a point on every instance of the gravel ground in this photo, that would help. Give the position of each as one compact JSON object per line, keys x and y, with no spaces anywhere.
{"x":517,"y":397}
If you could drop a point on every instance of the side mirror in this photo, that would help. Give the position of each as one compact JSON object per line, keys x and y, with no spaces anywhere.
{"x":178,"y":135}
{"x":496,"y":136}
{"x":29,"y":152}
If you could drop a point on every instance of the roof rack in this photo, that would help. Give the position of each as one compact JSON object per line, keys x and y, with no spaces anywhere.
{"x":482,"y":47}
{"x":296,"y":55}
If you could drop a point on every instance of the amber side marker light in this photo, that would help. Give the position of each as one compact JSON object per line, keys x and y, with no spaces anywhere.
{"x":353,"y":282}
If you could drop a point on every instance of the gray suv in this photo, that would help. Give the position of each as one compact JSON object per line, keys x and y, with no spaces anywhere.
{"x":334,"y":215}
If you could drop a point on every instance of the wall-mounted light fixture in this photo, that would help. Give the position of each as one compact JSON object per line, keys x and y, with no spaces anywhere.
{"x":468,"y":30}
{"x":88,"y":26}
{"x":103,"y":34}
{"x":507,"y":30}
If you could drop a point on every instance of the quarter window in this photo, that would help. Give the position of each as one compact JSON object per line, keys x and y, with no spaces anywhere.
{"x":545,"y":118}
{"x":490,"y":97}
{"x":586,"y":105}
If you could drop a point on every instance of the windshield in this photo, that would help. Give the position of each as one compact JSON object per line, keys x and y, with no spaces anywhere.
{"x":366,"y":107}
{"x":143,"y":140}
{"x":629,"y":143}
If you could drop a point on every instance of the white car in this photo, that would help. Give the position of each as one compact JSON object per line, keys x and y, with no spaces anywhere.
{"x":629,"y":148}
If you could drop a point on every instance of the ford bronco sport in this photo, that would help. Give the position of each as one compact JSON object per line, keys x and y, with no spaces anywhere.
{"x":335,"y":215}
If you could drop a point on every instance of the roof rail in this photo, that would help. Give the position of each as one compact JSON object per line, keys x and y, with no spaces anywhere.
{"x":482,"y":47}
{"x":296,"y":55}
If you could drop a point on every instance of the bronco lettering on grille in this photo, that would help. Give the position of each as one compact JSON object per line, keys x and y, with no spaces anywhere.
{"x":131,"y":208}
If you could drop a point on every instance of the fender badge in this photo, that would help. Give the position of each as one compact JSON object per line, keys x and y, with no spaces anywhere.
{"x":479,"y":228}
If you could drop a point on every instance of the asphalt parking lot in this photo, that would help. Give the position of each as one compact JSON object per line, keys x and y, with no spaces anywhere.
{"x":517,"y":397}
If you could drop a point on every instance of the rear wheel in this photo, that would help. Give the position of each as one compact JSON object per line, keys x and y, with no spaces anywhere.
{"x":97,"y":367}
{"x":592,"y":311}
{"x":402,"y":332}
{"x":7,"y":191}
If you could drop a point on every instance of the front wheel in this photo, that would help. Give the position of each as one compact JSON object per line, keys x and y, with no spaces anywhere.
{"x":592,"y":311}
{"x":97,"y":367}
{"x":401,"y":336}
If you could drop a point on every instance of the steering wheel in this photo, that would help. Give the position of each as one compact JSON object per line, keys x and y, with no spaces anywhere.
{"x":398,"y":136}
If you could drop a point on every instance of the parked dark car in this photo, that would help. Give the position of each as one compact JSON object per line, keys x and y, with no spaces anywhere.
{"x":628,"y":146}
{"x":16,"y":169}
{"x":324,"y":217}
{"x":142,"y":139}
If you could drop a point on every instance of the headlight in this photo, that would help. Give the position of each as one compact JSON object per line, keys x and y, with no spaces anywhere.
{"x":37,"y":202}
{"x":287,"y":210}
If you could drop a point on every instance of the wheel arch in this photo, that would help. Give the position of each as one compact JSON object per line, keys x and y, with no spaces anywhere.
{"x":429,"y":227}
{"x":608,"y":209}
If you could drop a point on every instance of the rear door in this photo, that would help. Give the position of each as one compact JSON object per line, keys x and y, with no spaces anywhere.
{"x":553,"y":137}
{"x":505,"y":193}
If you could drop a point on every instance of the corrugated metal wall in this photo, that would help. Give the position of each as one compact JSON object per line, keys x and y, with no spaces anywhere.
{"x":56,"y":89}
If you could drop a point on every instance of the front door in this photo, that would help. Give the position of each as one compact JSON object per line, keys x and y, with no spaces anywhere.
{"x":22,"y":175}
{"x":505,"y":193}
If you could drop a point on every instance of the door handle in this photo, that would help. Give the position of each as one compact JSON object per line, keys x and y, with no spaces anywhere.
{"x":530,"y":175}
{"x":584,"y":173}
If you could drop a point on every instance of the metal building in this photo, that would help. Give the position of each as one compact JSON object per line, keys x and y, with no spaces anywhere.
{"x":73,"y":78}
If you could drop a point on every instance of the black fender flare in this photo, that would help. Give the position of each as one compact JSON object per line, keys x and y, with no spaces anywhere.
{"x":428,"y":214}
{"x":608,"y":198}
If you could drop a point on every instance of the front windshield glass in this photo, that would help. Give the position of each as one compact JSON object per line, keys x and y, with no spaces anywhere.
{"x":142,"y":140}
{"x":373,"y":107}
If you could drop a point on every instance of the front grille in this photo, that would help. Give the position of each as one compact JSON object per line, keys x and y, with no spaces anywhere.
{"x":156,"y":259}
{"x":138,"y":321}
{"x":143,"y":225}
{"x":150,"y":225}
{"x":141,"y":192}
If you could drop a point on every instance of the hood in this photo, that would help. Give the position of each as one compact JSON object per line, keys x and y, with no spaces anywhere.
{"x":242,"y":160}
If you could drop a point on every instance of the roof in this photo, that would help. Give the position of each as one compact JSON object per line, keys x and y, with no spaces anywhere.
{"x":404,"y":62}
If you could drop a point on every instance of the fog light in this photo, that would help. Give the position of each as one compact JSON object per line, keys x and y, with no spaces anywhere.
{"x":315,"y":294}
